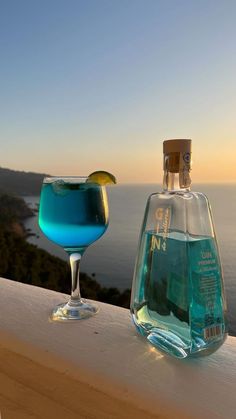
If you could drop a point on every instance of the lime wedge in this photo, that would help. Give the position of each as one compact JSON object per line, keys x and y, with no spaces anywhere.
{"x":102,"y":178}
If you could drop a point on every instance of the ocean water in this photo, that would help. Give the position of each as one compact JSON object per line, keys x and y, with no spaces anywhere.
{"x":112,"y":257}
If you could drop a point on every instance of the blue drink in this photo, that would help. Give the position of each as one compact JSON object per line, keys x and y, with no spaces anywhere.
{"x":180,"y":307}
{"x":73,"y":215}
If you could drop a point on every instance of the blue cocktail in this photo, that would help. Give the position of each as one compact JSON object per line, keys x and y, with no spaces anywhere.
{"x":73,"y":213}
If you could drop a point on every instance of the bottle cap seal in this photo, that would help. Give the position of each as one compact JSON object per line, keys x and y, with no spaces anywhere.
{"x":177,"y":155}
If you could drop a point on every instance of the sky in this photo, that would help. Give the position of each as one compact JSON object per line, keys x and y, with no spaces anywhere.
{"x":91,"y":85}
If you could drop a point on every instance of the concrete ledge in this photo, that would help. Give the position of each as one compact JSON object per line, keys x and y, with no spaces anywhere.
{"x":100,"y":368}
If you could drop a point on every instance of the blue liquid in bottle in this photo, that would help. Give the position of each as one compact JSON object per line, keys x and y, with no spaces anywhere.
{"x":178,"y":300}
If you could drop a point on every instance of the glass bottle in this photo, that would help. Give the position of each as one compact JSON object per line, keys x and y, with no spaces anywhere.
{"x":178,"y":299}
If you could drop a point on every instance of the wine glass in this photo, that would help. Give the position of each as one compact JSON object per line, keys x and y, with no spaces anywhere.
{"x":73,"y":213}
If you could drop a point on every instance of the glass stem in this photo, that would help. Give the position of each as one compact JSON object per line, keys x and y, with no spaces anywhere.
{"x":75,"y":299}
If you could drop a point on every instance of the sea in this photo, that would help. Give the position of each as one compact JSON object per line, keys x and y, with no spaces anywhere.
{"x":111,"y":259}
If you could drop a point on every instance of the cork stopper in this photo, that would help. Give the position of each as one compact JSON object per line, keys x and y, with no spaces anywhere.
{"x":177,"y":146}
{"x":177,"y":155}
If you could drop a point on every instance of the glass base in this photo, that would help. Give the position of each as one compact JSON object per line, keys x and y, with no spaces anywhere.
{"x":72,"y":311}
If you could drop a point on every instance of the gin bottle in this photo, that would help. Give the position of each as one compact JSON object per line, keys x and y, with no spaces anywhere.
{"x":178,"y":300}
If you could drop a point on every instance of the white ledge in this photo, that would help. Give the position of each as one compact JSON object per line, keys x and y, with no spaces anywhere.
{"x":100,"y":367}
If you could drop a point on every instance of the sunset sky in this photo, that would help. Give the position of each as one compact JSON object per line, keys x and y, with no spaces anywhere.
{"x":99,"y":84}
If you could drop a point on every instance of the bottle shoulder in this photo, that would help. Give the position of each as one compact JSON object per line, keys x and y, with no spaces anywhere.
{"x":172,"y":195}
{"x":182,"y":211}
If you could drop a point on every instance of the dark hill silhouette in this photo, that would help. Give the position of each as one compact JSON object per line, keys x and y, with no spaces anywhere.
{"x":20,"y":182}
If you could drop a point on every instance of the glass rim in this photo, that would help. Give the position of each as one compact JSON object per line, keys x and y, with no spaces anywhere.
{"x":68,"y":179}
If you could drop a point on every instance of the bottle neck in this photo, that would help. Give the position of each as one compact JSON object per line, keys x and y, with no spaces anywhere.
{"x":176,"y":172}
{"x":176,"y":181}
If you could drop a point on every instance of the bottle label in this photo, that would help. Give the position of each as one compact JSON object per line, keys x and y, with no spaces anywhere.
{"x":193,"y":277}
{"x":161,"y":229}
{"x":213,"y":331}
{"x":177,"y":162}
{"x":208,"y":299}
{"x":184,"y":169}
{"x":206,"y":275}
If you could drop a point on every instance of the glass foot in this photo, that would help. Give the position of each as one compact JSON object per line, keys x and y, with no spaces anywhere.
{"x":68,"y":311}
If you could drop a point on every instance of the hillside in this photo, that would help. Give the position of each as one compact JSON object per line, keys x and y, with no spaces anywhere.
{"x":20,"y":183}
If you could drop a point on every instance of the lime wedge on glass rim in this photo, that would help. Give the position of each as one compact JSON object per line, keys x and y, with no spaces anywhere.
{"x":101,"y":178}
